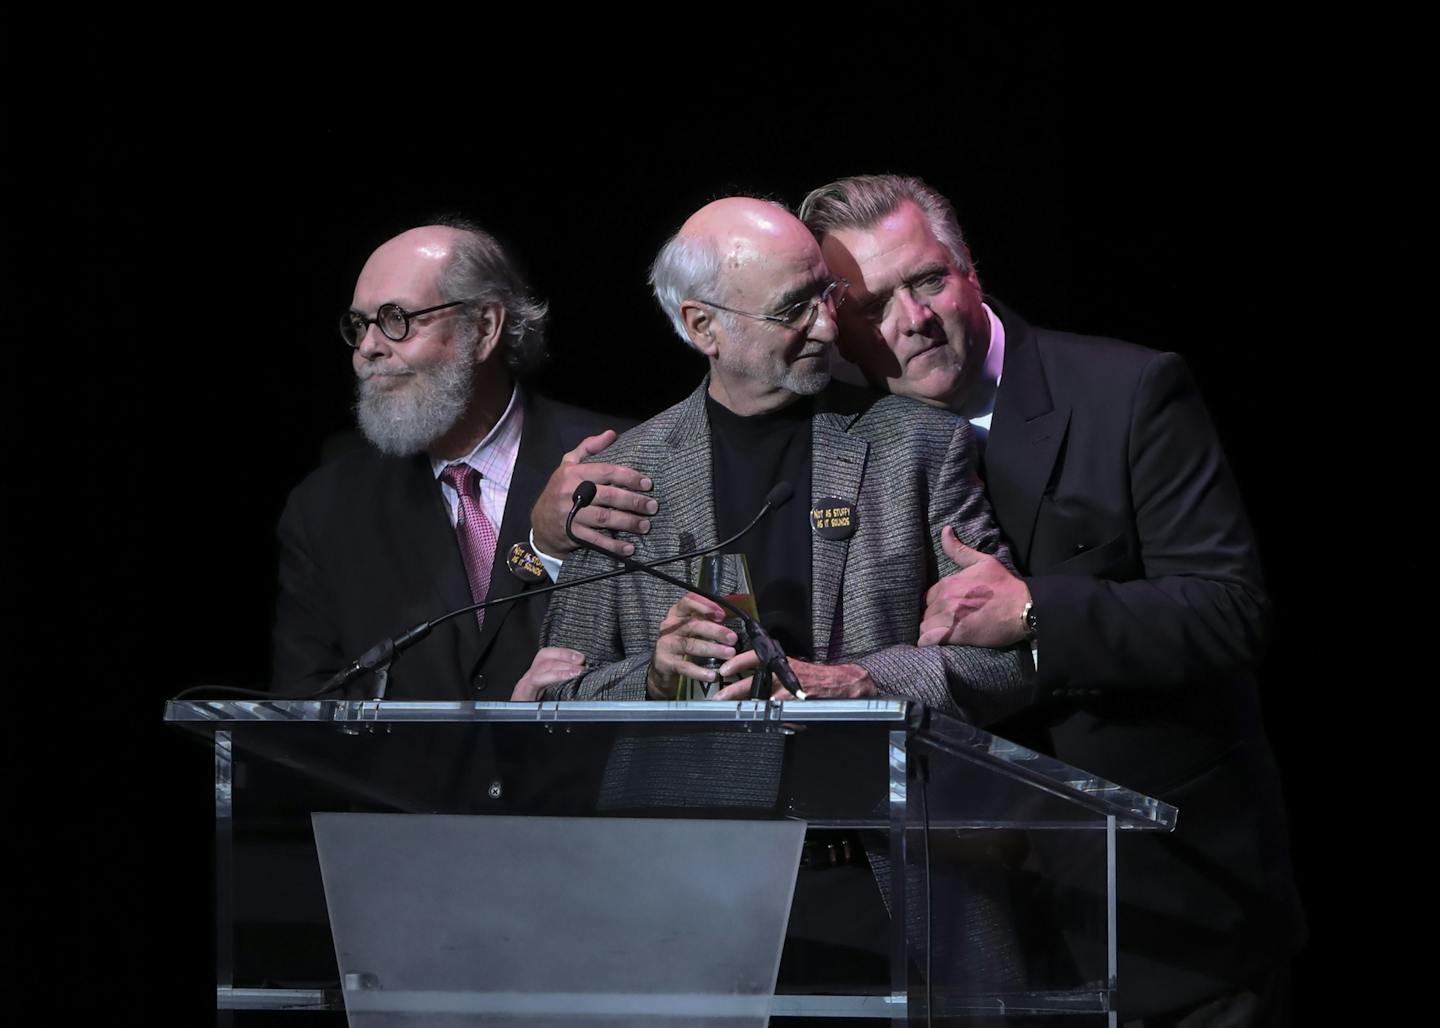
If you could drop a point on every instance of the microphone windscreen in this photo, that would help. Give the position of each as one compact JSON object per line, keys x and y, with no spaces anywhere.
{"x":779,"y":495}
{"x":584,"y":494}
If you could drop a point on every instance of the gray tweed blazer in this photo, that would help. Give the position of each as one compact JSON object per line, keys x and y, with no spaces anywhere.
{"x":912,"y":470}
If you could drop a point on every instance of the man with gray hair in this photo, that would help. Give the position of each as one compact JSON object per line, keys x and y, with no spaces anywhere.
{"x":435,"y":514}
{"x":1139,"y":589}
{"x":745,"y":284}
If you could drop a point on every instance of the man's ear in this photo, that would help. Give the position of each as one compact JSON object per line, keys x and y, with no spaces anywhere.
{"x":489,"y":322}
{"x":699,"y":326}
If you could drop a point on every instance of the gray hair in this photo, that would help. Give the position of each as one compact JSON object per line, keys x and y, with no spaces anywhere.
{"x":686,"y":268}
{"x":689,"y":268}
{"x":480,"y":273}
{"x":861,"y":201}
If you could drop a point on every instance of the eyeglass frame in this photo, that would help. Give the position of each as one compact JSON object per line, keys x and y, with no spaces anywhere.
{"x":351,"y":316}
{"x":814,"y":304}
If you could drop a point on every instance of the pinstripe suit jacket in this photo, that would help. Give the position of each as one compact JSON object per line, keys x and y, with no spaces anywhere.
{"x":911,"y":469}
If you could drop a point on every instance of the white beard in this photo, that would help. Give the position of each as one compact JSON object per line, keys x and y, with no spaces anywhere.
{"x":405,"y":419}
{"x":747,"y":361}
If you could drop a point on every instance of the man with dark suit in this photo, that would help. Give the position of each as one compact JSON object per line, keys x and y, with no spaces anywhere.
{"x":436,"y":513}
{"x":745,"y":284}
{"x":1139,"y":589}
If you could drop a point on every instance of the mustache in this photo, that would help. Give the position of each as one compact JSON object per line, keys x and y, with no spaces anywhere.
{"x":370,"y":371}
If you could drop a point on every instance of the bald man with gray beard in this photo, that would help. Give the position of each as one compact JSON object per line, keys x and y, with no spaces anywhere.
{"x":435,"y":513}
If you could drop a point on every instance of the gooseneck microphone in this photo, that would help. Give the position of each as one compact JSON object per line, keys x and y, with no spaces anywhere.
{"x":384,"y":653}
{"x":772,"y":657}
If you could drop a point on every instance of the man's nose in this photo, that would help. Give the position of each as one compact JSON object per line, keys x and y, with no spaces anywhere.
{"x":913,"y":313}
{"x":823,"y":327}
{"x":373,"y":344}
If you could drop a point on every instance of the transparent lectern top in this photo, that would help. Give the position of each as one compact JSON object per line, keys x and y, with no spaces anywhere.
{"x":974,"y":777}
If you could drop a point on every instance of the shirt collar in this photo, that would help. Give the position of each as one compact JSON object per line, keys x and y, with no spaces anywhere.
{"x":493,"y":456}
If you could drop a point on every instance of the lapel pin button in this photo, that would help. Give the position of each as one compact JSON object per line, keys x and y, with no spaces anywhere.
{"x":524,"y":563}
{"x":833,"y":518}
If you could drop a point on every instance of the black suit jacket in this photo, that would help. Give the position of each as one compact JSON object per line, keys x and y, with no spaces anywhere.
{"x":367,"y":550}
{"x":1108,"y":479}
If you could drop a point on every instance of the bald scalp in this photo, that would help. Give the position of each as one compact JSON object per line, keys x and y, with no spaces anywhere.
{"x":429,"y":244}
{"x":460,"y":261}
{"x":741,"y":229}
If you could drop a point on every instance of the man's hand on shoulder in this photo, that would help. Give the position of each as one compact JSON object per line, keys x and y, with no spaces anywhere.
{"x":982,"y":604}
{"x":619,"y":506}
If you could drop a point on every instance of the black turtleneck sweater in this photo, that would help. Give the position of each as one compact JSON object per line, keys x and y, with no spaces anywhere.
{"x":748,"y":456}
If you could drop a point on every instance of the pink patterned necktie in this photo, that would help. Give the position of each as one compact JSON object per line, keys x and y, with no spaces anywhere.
{"x":476,"y":532}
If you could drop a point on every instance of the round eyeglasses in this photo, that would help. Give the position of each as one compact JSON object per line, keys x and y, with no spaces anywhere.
{"x":394,"y":322}
{"x":798,"y":316}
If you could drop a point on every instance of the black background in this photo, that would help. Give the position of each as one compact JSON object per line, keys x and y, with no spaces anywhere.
{"x":200,"y":252}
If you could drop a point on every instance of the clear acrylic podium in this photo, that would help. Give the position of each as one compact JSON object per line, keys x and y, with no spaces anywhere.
{"x":634,"y":863}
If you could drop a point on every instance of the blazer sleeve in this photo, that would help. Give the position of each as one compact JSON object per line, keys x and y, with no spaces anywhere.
{"x":1200,"y":609}
{"x":306,"y":647}
{"x":588,"y":618}
{"x":972,"y":682}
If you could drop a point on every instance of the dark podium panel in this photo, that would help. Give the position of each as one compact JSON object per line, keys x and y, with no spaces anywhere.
{"x":655,"y":863}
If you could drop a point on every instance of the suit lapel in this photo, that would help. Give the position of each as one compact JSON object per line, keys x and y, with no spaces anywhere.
{"x":690,"y":497}
{"x":837,"y":468}
{"x":428,"y":552}
{"x":1025,"y":436}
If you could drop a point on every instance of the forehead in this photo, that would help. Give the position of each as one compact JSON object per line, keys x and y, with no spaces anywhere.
{"x":407,"y":274}
{"x":878,"y":258}
{"x":762,"y":271}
